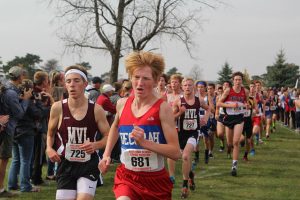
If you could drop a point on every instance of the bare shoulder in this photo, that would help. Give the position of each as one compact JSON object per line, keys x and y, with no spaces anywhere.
{"x":56,"y":107}
{"x":121,"y":102}
{"x":120,"y":105}
{"x":98,"y":108}
{"x":165,"y":110}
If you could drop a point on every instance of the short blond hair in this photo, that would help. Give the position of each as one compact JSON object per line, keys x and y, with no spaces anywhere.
{"x":139,"y":59}
{"x":177,"y":77}
{"x":187,"y":79}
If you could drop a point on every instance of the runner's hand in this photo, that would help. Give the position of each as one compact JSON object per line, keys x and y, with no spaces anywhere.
{"x":104,"y":165}
{"x":138,"y":135}
{"x":182,"y":109}
{"x":53,"y":155}
{"x":217,"y":117}
{"x":203,"y":122}
{"x":88,"y":147}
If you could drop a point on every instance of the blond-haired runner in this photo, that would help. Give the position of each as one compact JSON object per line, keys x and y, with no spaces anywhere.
{"x":146,"y":126}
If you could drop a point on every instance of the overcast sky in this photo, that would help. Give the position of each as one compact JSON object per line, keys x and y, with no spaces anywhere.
{"x":245,"y":33}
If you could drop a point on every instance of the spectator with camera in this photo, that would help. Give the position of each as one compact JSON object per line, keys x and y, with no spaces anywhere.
{"x":14,"y":104}
{"x":41,"y":91}
{"x":23,"y":143}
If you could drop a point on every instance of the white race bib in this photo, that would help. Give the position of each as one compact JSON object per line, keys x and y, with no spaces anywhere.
{"x":74,"y":154}
{"x":273,"y":108}
{"x":236,"y":111}
{"x":189,"y":124}
{"x":267,"y":108}
{"x":140,"y":160}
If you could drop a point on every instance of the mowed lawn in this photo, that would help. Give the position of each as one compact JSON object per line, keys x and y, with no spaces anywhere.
{"x":273,"y":173}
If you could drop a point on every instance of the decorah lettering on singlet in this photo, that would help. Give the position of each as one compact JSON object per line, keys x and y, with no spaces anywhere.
{"x":126,"y":139}
{"x":76,"y":136}
{"x":133,"y":156}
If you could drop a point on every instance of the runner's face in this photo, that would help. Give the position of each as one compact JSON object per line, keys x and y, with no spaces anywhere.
{"x":175,"y":84}
{"x":143,"y":82}
{"x":75,"y":85}
{"x":188,"y":87}
{"x":220,"y":92}
{"x":258,"y":87}
{"x":237,"y":80}
{"x":162,"y":82}
{"x":211,"y":90}
{"x":252,"y":88}
{"x":201,"y":88}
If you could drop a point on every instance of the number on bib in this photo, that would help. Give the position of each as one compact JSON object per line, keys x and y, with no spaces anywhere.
{"x":190,"y":124}
{"x":140,"y":160}
{"x":74,"y":154}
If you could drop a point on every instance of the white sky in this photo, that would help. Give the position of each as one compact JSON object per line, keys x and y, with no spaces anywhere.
{"x":246,"y":33}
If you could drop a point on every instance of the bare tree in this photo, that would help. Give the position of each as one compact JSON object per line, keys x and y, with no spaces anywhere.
{"x":50,"y":65}
{"x":196,"y":72}
{"x":119,"y":26}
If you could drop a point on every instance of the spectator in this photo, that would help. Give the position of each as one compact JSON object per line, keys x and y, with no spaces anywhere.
{"x":15,"y":106}
{"x":23,"y":144}
{"x":106,"y":103}
{"x":41,"y":89}
{"x":126,"y":89}
{"x":94,"y":89}
{"x":117,"y":93}
{"x":57,"y":85}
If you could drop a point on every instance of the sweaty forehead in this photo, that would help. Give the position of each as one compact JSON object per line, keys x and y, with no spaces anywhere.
{"x":143,"y":71}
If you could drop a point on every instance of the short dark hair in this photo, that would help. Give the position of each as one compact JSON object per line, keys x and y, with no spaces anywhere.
{"x":212,"y":85}
{"x":238,"y":74}
{"x":97,"y":79}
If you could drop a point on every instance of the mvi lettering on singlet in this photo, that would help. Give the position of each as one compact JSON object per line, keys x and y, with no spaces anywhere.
{"x":190,"y":114}
{"x":76,"y":136}
{"x":190,"y":119}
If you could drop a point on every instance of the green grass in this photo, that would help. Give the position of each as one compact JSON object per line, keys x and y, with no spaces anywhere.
{"x":273,"y":173}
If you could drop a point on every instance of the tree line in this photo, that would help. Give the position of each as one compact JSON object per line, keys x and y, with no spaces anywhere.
{"x":280,"y":73}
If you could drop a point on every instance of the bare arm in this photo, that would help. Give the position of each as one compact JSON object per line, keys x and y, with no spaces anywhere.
{"x":55,"y":114}
{"x":204,"y":120}
{"x":169,"y":150}
{"x":222,"y":99}
{"x":177,"y":108}
{"x":112,"y":138}
{"x":217,"y":113}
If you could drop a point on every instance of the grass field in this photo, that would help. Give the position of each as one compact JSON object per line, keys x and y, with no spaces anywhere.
{"x":273,"y":173}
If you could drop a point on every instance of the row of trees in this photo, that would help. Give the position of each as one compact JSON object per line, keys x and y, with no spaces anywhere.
{"x":32,"y":63}
{"x":279,"y":74}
